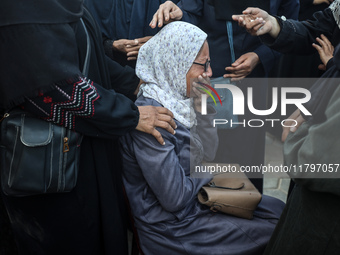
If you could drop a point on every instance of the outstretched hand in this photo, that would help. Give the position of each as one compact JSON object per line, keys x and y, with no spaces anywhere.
{"x":242,"y":67}
{"x":165,"y":14}
{"x":151,"y":117}
{"x":258,"y":22}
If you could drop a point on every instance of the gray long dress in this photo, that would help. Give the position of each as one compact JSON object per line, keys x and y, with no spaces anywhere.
{"x":163,"y":197}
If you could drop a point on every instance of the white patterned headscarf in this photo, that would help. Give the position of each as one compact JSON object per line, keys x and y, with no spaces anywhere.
{"x":335,"y":8}
{"x":163,"y":63}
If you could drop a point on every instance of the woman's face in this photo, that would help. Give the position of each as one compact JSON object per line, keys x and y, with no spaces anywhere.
{"x":197,"y":70}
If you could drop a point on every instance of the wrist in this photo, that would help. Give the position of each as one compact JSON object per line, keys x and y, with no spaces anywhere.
{"x":274,"y":32}
{"x":115,"y":46}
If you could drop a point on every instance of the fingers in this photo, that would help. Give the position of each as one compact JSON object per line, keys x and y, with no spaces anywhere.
{"x":132,"y":58}
{"x":236,"y":17}
{"x":204,"y":79}
{"x":234,"y":76}
{"x":151,"y":117}
{"x":285,"y":133}
{"x":154,"y":20}
{"x":165,"y":125}
{"x":176,"y":14}
{"x":133,"y":52}
{"x":299,"y":121}
{"x":130,"y":48}
{"x":322,"y":43}
{"x":290,"y":124}
{"x":162,"y":14}
{"x":163,"y":110}
{"x":169,"y":120}
{"x":238,"y":78}
{"x":130,"y":43}
{"x":325,"y":44}
{"x":328,"y":43}
{"x":251,"y":10}
{"x":320,"y":51}
{"x":158,"y":136}
{"x":166,"y":13}
{"x":325,"y":50}
{"x":317,"y":47}
{"x":238,"y":69}
{"x":195,"y":92}
{"x":252,"y":23}
{"x":143,"y":39}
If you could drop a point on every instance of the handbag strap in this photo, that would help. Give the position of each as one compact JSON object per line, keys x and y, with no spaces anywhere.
{"x":88,"y":51}
{"x":86,"y":62}
{"x":213,"y":185}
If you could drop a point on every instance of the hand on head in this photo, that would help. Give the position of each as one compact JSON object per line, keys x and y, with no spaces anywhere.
{"x":165,"y":14}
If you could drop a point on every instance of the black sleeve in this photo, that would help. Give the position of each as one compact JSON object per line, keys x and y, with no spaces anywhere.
{"x":297,"y":37}
{"x":107,"y":43}
{"x":115,"y":55}
{"x":123,"y":79}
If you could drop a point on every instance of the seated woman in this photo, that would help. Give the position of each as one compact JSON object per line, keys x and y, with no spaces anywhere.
{"x":162,"y":194}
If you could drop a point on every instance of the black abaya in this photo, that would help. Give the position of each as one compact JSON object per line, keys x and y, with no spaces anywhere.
{"x":89,"y":219}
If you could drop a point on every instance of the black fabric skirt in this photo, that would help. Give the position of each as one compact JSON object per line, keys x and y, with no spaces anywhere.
{"x":88,"y":220}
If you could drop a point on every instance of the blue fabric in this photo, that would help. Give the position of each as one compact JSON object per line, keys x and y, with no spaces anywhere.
{"x":124,"y":19}
{"x":229,"y":25}
{"x":163,"y":197}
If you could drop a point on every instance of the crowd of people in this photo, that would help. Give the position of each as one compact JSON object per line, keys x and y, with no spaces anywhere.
{"x":139,"y":111}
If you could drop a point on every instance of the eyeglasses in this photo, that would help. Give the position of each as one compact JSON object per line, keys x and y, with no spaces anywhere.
{"x":206,"y":65}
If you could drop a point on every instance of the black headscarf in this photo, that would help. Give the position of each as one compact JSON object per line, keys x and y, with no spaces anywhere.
{"x":39,"y":11}
{"x":28,"y":67}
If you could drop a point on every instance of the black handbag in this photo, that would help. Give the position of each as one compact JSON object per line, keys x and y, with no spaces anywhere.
{"x":37,"y":156}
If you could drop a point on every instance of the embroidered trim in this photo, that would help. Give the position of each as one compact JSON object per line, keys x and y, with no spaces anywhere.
{"x":80,"y":103}
{"x":335,"y":8}
{"x":41,"y":109}
{"x":63,"y":92}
